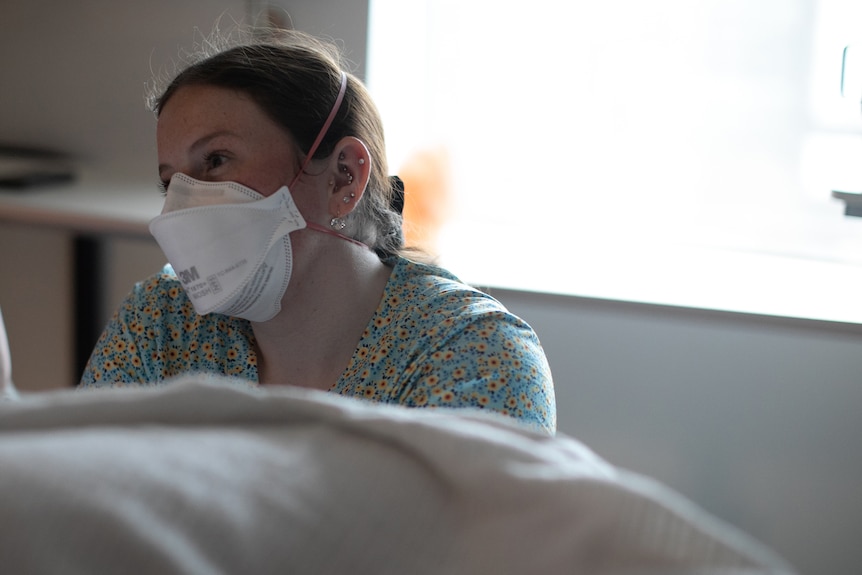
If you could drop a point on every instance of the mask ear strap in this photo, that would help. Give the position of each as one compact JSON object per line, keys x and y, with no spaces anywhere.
{"x":325,"y":230}
{"x":324,"y":129}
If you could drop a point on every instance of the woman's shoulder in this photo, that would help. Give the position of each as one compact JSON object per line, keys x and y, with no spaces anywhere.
{"x":421,"y":288}
{"x":487,"y":356}
{"x":163,"y":284}
{"x":413,"y":275}
{"x":162,"y":298}
{"x":158,"y":298}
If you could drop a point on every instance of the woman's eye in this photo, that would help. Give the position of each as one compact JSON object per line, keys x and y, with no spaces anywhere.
{"x":162,"y":186}
{"x":214,"y":160}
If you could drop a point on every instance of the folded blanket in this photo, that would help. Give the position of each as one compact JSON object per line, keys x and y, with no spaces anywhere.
{"x":201,"y":476}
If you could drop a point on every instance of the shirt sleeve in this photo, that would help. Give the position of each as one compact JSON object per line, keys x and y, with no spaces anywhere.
{"x":485,"y":357}
{"x":117,"y":360}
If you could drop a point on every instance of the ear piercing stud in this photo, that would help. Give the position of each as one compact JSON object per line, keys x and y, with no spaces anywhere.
{"x":349,"y":175}
{"x":361,"y":161}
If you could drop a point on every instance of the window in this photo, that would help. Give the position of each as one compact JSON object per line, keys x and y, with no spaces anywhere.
{"x":670,"y":151}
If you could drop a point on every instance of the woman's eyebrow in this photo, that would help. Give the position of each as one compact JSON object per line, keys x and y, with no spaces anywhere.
{"x":200,"y":143}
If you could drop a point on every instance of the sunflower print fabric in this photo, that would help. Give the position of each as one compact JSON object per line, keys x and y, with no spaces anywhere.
{"x":433,"y":342}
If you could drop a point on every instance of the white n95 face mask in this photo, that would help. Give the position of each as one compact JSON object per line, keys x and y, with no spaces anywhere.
{"x":229,"y":245}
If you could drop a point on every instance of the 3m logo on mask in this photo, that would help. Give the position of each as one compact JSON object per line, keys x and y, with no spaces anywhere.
{"x":188,"y":276}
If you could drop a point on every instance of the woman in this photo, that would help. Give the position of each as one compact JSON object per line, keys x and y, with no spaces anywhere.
{"x":287,"y":263}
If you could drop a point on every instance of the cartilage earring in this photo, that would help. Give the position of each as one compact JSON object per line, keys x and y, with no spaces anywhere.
{"x":347,"y":173}
{"x":361,"y":161}
{"x":337,"y":223}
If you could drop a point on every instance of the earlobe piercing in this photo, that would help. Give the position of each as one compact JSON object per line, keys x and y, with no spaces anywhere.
{"x":337,"y":223}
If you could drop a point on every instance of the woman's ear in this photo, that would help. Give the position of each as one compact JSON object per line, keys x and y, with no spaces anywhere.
{"x":350,"y":167}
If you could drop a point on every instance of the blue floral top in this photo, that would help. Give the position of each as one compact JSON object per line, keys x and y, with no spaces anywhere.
{"x":433,"y":342}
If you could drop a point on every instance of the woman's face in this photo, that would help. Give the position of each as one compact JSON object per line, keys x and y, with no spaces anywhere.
{"x":218,"y":134}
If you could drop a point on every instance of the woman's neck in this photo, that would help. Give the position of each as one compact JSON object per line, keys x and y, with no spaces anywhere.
{"x":333,"y":293}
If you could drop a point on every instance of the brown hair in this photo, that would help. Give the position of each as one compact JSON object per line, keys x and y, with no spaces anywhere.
{"x":295,"y":79}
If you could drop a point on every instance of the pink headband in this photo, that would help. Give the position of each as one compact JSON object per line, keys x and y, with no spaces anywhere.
{"x":324,"y":129}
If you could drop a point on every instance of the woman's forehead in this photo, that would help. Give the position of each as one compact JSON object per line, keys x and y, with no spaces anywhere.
{"x":195,"y":110}
{"x":206,"y":103}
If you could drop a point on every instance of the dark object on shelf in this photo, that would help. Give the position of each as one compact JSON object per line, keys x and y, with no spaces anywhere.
{"x":22,"y":168}
{"x":852,"y":202}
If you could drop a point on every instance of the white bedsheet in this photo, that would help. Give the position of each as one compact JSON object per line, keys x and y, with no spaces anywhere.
{"x":205,"y":477}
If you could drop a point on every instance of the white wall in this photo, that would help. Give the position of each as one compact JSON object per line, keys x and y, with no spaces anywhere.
{"x":756,"y":419}
{"x":74,"y":73}
{"x":343,"y":21}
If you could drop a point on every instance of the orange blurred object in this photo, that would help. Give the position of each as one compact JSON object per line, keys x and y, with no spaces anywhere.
{"x":427,"y":177}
